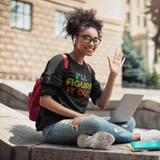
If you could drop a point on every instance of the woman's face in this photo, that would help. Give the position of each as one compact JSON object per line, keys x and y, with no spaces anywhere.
{"x":85,"y":36}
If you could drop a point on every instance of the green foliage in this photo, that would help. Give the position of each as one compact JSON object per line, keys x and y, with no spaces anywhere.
{"x":133,"y":69}
{"x":153,"y":79}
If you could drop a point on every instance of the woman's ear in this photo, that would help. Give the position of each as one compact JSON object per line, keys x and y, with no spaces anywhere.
{"x":74,"y":41}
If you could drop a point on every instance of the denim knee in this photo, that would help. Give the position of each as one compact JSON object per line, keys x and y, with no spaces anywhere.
{"x":132,"y":124}
{"x":93,"y":124}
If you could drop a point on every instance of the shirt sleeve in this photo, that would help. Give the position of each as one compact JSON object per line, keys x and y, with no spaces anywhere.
{"x":96,"y":90}
{"x":51,"y":78}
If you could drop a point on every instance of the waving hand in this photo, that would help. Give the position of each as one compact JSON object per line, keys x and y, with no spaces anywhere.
{"x":116,"y":65}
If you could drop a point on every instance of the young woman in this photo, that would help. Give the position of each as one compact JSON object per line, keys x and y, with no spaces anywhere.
{"x":65,"y":93}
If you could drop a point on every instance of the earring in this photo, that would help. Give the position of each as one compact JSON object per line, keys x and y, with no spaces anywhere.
{"x":74,"y":41}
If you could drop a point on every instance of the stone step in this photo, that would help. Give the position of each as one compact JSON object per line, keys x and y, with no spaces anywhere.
{"x":20,"y":141}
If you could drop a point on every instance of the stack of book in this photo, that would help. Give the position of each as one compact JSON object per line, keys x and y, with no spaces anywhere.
{"x":144,"y":145}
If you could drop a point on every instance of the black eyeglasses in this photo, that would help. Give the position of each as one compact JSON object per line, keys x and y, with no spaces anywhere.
{"x":88,"y":39}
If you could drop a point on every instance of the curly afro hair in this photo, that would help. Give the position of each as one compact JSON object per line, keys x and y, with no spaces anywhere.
{"x":80,"y":19}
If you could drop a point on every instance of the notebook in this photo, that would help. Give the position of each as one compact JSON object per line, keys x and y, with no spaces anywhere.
{"x":126,"y":108}
{"x":129,"y":145}
{"x":148,"y":145}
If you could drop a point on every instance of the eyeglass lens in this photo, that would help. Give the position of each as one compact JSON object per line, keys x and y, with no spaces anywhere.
{"x":88,"y":39}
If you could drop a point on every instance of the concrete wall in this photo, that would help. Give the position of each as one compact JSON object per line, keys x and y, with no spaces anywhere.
{"x":24,"y":54}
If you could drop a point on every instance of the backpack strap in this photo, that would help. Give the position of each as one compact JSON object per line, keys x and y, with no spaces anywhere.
{"x":65,"y":60}
{"x":88,"y":67}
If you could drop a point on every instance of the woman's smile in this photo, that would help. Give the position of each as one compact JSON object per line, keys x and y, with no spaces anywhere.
{"x":90,"y":49}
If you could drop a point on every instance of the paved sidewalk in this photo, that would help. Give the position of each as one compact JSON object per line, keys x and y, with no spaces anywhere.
{"x":151,"y":94}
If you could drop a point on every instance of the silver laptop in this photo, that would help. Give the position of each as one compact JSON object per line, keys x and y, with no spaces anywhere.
{"x":126,"y":108}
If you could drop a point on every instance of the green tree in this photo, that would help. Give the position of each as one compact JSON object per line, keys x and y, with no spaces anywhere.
{"x":154,"y":11}
{"x":153,"y":79}
{"x":133,"y":71}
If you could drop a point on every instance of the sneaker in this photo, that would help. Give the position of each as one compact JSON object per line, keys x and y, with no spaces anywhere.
{"x":151,"y":135}
{"x":99,"y":140}
{"x":137,"y":131}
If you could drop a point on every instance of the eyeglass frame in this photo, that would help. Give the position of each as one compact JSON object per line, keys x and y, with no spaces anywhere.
{"x":92,"y":39}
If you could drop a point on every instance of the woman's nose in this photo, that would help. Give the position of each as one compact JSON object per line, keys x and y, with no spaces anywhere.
{"x":91,"y":42}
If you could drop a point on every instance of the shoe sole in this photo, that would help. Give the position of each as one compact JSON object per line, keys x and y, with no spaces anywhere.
{"x":100,"y":140}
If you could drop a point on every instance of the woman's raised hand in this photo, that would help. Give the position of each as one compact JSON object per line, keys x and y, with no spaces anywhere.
{"x":116,"y":65}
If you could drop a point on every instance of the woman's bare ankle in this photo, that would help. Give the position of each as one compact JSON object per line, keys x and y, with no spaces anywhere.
{"x":136,"y":137}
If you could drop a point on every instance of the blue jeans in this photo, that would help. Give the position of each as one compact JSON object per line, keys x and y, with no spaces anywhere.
{"x":64,"y":132}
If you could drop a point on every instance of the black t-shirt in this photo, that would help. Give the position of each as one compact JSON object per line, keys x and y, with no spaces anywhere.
{"x":71,"y":88}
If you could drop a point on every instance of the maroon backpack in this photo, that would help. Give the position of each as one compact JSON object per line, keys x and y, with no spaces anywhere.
{"x":33,"y":97}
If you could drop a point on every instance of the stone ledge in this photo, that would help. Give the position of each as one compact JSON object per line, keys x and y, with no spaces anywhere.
{"x":61,"y":152}
{"x":16,"y":99}
{"x":13,"y":92}
{"x":144,"y":104}
{"x":11,"y":101}
{"x":147,"y":114}
{"x":17,"y":135}
{"x":19,"y":140}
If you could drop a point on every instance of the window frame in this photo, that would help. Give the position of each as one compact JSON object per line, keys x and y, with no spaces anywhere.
{"x":143,"y":3}
{"x":59,"y":25}
{"x":23,"y":14}
{"x":138,"y":20}
{"x":128,"y":19}
{"x":128,"y":1}
{"x":138,"y":3}
{"x":144,"y":22}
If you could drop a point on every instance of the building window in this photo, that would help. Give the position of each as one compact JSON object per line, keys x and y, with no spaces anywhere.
{"x":138,"y":20}
{"x":59,"y":24}
{"x":128,"y":1}
{"x":154,"y":26}
{"x":144,"y":22}
{"x":20,"y":15}
{"x":128,"y":17}
{"x":144,"y":3}
{"x":137,"y":3}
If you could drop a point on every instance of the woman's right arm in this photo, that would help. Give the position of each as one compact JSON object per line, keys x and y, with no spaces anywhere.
{"x":47,"y":102}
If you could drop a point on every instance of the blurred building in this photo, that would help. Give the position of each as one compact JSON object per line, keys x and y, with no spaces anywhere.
{"x":30,"y":36}
{"x":141,"y":29}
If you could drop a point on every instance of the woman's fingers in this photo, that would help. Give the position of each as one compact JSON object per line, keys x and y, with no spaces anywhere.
{"x":116,"y":54}
{"x":120,"y":55}
{"x":123,"y":61}
{"x":109,"y":60}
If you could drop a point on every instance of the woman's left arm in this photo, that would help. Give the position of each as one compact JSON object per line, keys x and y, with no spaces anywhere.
{"x":115,"y":67}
